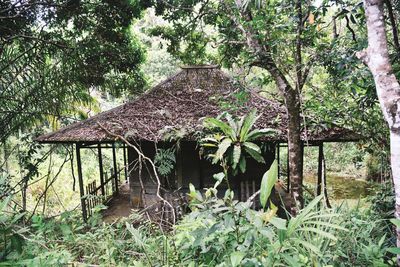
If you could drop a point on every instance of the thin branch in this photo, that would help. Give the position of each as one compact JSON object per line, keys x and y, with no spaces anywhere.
{"x":145,"y":158}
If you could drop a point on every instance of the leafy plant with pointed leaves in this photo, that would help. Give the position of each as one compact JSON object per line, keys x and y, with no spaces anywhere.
{"x":165,"y":161}
{"x":225,"y":232}
{"x":232,"y":141}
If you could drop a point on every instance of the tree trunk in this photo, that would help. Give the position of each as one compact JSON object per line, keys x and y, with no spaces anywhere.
{"x":291,"y":97}
{"x":392,"y":19}
{"x":376,"y":57}
{"x":294,"y":146}
{"x":291,"y":94}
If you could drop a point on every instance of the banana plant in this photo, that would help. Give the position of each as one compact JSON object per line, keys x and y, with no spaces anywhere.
{"x":232,"y":141}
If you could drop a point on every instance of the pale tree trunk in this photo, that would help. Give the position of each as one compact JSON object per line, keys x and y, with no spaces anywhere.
{"x":376,"y":57}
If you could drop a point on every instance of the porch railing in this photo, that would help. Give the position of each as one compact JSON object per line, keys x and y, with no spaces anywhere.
{"x":96,"y":195}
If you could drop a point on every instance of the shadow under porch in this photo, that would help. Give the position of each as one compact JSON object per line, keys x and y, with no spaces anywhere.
{"x":133,"y":185}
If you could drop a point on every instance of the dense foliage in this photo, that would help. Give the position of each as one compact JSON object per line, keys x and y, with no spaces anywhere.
{"x":53,"y":52}
{"x":231,"y":142}
{"x":218,"y":232}
{"x":59,"y":58}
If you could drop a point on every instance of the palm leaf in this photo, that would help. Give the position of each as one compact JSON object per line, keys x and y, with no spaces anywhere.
{"x":307,"y":245}
{"x":319,"y":232}
{"x":299,"y":219}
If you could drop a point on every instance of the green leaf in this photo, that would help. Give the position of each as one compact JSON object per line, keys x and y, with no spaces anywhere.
{"x":252,"y":146}
{"x":242,"y":164}
{"x":254,"y":151}
{"x":257,"y":133}
{"x":308,"y":245}
{"x":232,"y":123}
{"x":222,"y":147}
{"x":296,"y":221}
{"x":268,"y":182}
{"x":236,"y":258}
{"x":4,"y":203}
{"x":326,"y":224}
{"x":219,"y":177}
{"x":192,"y":189}
{"x":319,"y":232}
{"x":225,"y":128}
{"x":209,"y":139}
{"x":290,"y":260}
{"x":394,"y":250}
{"x":236,"y":155}
{"x":395,"y":222}
{"x":248,"y":123}
{"x":193,"y":194}
{"x":208,"y":145}
{"x":278,"y":223}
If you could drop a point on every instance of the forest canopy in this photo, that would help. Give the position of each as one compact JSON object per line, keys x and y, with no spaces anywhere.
{"x":228,"y":195}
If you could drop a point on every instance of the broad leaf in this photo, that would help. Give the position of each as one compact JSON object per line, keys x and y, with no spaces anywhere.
{"x":395,"y":222}
{"x":242,"y":164}
{"x":252,"y":146}
{"x":219,"y":177}
{"x":268,"y":182}
{"x":222,"y":147}
{"x":248,"y":123}
{"x":254,"y":151}
{"x":225,"y":128}
{"x":257,"y":133}
{"x":236,"y":155}
{"x":278,"y":223}
{"x":232,"y":123}
{"x":236,"y":258}
{"x":394,"y":250}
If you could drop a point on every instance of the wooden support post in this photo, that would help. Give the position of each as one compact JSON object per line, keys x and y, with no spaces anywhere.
{"x":107,"y":185}
{"x":301,"y":172}
{"x":80,"y":177}
{"x":278,"y":159}
{"x":103,"y":192}
{"x":179,"y":167}
{"x":324,"y":182}
{"x":115,"y":168}
{"x":201,"y":173}
{"x":319,"y":175}
{"x":125,"y":163}
{"x":287,"y":168}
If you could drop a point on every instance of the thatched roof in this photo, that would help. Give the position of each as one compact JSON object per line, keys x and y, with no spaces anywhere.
{"x":182,"y":102}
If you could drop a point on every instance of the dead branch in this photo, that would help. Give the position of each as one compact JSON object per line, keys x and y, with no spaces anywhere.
{"x":145,"y":158}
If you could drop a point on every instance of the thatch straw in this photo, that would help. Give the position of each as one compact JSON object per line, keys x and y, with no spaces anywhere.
{"x":182,"y":102}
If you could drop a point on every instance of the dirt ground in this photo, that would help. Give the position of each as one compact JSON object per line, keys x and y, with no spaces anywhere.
{"x":119,"y":206}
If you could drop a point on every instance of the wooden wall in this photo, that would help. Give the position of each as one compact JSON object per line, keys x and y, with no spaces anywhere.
{"x":191,"y":169}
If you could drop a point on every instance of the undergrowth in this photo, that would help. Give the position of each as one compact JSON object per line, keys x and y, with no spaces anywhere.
{"x":218,"y":232}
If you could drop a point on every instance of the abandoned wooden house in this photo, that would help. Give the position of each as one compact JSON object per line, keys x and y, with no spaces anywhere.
{"x":179,"y":104}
